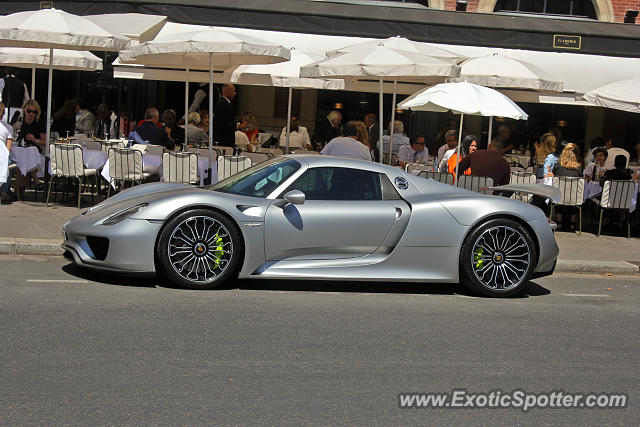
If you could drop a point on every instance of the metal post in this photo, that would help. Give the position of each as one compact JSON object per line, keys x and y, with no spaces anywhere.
{"x":210,"y":116}
{"x":455,"y":178}
{"x":380,"y":112}
{"x":490,"y":131}
{"x":186,"y":111}
{"x":289,"y":119}
{"x":393,"y":117}
{"x":48,"y":124}
{"x":33,"y":82}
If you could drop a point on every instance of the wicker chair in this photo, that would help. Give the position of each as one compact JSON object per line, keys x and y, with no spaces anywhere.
{"x":125,"y":165}
{"x":180,"y":167}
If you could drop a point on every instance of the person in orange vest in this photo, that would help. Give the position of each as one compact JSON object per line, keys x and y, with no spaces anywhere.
{"x":469,"y":145}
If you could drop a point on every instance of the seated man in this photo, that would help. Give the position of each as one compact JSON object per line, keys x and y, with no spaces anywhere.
{"x":619,"y":172}
{"x":149,"y":131}
{"x":347,"y":145}
{"x":414,"y":153}
{"x":487,"y":163}
{"x":399,"y":138}
{"x":447,"y":150}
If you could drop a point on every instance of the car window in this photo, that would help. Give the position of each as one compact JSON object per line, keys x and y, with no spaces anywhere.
{"x":329,"y":183}
{"x":260,"y":180}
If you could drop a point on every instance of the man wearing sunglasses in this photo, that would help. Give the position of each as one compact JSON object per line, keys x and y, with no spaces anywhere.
{"x":416,"y":152}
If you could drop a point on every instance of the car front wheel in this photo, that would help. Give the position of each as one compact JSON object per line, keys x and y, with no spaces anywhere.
{"x":497,"y":258}
{"x":199,"y":249}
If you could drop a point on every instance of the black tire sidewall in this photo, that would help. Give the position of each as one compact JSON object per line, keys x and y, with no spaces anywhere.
{"x":164,"y":265}
{"x":467,"y":277}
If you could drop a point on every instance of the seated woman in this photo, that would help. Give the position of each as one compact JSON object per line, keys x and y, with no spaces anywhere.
{"x":196,"y":135}
{"x":595,"y":170}
{"x":299,"y":136}
{"x":545,"y":155}
{"x":469,"y":145}
{"x":32,"y":133}
{"x":249,"y":125}
{"x":569,"y":166}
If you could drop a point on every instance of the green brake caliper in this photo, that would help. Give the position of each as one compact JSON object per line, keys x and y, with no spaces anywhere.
{"x":477,"y":258}
{"x":218,"y":252}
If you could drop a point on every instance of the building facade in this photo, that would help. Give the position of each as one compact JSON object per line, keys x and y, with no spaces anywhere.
{"x":601,"y":10}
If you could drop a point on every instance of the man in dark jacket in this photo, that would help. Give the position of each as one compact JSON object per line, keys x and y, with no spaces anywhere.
{"x":487,"y":163}
{"x":224,"y":125}
{"x":151,"y":133}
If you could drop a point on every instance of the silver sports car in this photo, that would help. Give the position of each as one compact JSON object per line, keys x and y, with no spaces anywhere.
{"x":317,"y":217}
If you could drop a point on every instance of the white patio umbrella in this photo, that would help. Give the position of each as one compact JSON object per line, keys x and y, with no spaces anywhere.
{"x":67,"y":60}
{"x":284,"y":74}
{"x":498,"y":71}
{"x":201,"y":50}
{"x":55,"y":29}
{"x":382,"y":61}
{"x":401,"y":43}
{"x":620,"y":95}
{"x":464,"y":98}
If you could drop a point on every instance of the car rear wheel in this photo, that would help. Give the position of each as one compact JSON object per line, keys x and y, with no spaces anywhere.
{"x":497,"y":258}
{"x":199,"y":249}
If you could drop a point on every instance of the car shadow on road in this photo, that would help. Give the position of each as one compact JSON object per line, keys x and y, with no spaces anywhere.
{"x":531,"y":289}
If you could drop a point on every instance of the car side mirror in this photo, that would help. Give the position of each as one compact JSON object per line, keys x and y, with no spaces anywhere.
{"x":295,"y":197}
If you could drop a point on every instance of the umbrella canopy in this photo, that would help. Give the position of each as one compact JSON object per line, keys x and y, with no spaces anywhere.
{"x":498,"y":71}
{"x":192,"y":49}
{"x":68,"y":60}
{"x":401,"y":43}
{"x":620,"y":95}
{"x":284,"y":74}
{"x":464,"y":98}
{"x":56,"y":29}
{"x":382,"y":61}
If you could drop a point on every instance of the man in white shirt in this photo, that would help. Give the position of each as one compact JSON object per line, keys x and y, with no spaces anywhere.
{"x":414,"y":153}
{"x":613,"y":149}
{"x":347,"y":145}
{"x":6,"y":139}
{"x":399,"y":138}
{"x":451,"y":138}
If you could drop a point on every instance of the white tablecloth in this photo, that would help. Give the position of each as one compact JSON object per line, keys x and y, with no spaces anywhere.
{"x":94,"y":159}
{"x":28,"y":159}
{"x":203,"y":169}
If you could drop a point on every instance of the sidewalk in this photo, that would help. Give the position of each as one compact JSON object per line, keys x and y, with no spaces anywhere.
{"x":31,"y":228}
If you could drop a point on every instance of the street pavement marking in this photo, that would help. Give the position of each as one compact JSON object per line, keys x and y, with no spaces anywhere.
{"x":56,"y":281}
{"x":587,"y":295}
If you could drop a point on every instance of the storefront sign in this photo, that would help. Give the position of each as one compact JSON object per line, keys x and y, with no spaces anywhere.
{"x":561,"y":41}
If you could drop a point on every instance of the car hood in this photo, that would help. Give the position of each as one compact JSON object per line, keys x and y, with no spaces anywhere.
{"x":137,"y":192}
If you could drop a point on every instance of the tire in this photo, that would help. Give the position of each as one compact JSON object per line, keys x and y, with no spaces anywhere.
{"x":497,"y":258}
{"x":199,"y":249}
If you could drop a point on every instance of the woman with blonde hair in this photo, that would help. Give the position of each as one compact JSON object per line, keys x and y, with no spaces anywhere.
{"x":363,"y":133}
{"x":545,"y":155}
{"x":567,"y":165}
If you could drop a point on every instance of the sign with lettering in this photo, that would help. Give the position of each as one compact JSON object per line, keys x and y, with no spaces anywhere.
{"x":561,"y":41}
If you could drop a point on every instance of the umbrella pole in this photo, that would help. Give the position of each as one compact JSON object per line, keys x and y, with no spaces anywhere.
{"x":210,"y":115}
{"x":490,"y":131}
{"x":48,"y":124}
{"x":289,"y":119}
{"x":455,"y":178}
{"x":380,"y":112}
{"x":186,"y":111}
{"x":393,"y":118}
{"x":33,"y":82}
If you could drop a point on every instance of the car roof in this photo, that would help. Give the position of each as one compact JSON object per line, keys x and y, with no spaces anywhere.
{"x":318,"y":160}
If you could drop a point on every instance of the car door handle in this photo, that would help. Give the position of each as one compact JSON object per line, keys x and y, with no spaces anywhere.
{"x":398,"y":213}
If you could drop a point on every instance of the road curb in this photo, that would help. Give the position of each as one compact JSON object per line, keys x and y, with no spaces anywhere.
{"x":12,"y":246}
{"x":19,"y":246}
{"x":593,"y":266}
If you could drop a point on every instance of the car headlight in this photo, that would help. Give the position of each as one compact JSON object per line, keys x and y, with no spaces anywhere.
{"x":126,"y":213}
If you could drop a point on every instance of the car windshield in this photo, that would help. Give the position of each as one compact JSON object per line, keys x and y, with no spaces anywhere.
{"x":259,"y":180}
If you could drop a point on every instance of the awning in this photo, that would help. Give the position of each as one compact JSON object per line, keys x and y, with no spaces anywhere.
{"x":363,"y":20}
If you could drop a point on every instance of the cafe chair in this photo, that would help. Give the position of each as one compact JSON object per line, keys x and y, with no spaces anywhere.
{"x":257,"y":157}
{"x":416,"y":168}
{"x":572,"y":190}
{"x":521,"y":177}
{"x":125,"y":165}
{"x":67,"y":162}
{"x":204,"y":152}
{"x":444,"y":177}
{"x":180,"y":167}
{"x":231,"y":165}
{"x":617,"y":195}
{"x":155,"y":150}
{"x":107,"y":145}
{"x":475,"y":183}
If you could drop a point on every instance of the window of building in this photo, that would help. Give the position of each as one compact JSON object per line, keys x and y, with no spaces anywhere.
{"x":577,"y":8}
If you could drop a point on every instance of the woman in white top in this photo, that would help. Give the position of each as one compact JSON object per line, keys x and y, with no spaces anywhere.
{"x":299,"y":136}
{"x":595,"y":170}
{"x":6,"y":139}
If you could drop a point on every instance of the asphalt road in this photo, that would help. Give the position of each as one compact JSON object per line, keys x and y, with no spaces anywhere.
{"x":87,"y":349}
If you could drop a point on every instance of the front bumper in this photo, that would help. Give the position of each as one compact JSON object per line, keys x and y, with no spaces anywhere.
{"x":131,"y":244}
